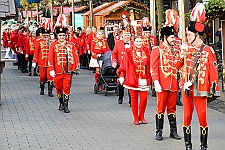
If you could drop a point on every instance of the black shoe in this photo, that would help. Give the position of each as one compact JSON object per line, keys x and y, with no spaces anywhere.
{"x":24,"y":71}
{"x":35,"y":74}
{"x":29,"y":74}
{"x":175,"y":135}
{"x":120,"y":100}
{"x":159,"y":136}
{"x":203,"y":148}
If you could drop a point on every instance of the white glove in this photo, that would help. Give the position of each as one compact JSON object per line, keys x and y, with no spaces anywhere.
{"x":89,"y":51}
{"x":121,"y":80}
{"x":34,"y":65}
{"x":187,"y":85}
{"x":158,"y":87}
{"x":182,"y":48}
{"x":99,"y":55}
{"x":52,"y":73}
{"x":26,"y":55}
{"x":114,"y":65}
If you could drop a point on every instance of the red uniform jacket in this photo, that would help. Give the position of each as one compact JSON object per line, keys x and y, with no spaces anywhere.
{"x":30,"y":46}
{"x":82,"y":43}
{"x":21,"y":43}
{"x":90,"y":37}
{"x":6,"y":39}
{"x":63,"y":59}
{"x":163,"y":67}
{"x":133,"y":67}
{"x":76,"y":42}
{"x":119,"y":51}
{"x":41,"y":52}
{"x":207,"y":71}
{"x":99,"y":46}
{"x":13,"y":41}
{"x":147,"y":41}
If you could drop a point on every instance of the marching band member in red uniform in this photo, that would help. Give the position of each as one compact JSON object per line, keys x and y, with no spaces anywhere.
{"x":202,"y":77}
{"x":134,"y":74}
{"x":98,"y":47}
{"x":118,"y":55}
{"x":21,"y":49}
{"x":164,"y":76}
{"x":82,"y":53}
{"x":7,"y":40}
{"x":90,"y":37}
{"x":63,"y":62}
{"x":147,"y":39}
{"x":30,"y":51}
{"x":41,"y":56}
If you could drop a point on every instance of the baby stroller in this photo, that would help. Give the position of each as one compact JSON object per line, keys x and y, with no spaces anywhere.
{"x":108,"y":77}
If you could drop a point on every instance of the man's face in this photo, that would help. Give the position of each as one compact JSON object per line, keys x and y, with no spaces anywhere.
{"x":190,"y":36}
{"x":78,"y":31}
{"x":62,"y":37}
{"x":46,"y":36}
{"x":147,"y":33}
{"x":126,"y":37}
{"x":171,"y":39}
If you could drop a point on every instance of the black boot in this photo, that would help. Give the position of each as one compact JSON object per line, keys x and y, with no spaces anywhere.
{"x":61,"y":103}
{"x":187,"y":137}
{"x":66,"y":100}
{"x":121,"y":94}
{"x":203,"y":137}
{"x":173,"y":126}
{"x":42,"y":86}
{"x":50,"y":86}
{"x":179,"y":102}
{"x":159,"y":126}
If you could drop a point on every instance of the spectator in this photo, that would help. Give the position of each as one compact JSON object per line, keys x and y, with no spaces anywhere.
{"x":219,"y":43}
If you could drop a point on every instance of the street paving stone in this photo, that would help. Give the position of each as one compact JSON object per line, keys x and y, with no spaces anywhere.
{"x":30,"y":121}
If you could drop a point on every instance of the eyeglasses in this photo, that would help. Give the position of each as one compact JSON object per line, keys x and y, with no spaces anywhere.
{"x":61,"y":35}
{"x":46,"y":35}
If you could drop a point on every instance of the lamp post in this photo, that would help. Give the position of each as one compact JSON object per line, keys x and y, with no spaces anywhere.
{"x":73,"y":18}
{"x":91,"y":13}
{"x":152,"y":17}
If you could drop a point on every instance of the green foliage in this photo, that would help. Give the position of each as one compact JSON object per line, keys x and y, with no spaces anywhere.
{"x":44,"y":12}
{"x":48,"y":14}
{"x":187,"y":15}
{"x":215,"y":9}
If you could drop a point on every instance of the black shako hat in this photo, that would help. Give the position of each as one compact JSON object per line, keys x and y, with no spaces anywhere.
{"x":60,"y":30}
{"x":147,"y":28}
{"x":167,"y":31}
{"x":196,"y":27}
{"x":45,"y":31}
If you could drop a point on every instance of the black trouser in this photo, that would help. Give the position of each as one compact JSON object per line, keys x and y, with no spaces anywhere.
{"x":85,"y":61}
{"x":19,"y":63}
{"x":24,"y":62}
{"x":30,"y":59}
{"x":121,"y":91}
{"x":81,"y":58}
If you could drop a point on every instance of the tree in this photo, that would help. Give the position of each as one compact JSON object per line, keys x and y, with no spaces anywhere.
{"x":215,"y":9}
{"x":48,"y":14}
{"x":161,"y":14}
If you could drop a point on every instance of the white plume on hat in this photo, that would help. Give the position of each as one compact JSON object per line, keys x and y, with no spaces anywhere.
{"x":61,"y":21}
{"x":198,"y":13}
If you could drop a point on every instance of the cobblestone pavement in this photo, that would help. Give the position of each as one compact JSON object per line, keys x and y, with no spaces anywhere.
{"x":30,"y":121}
